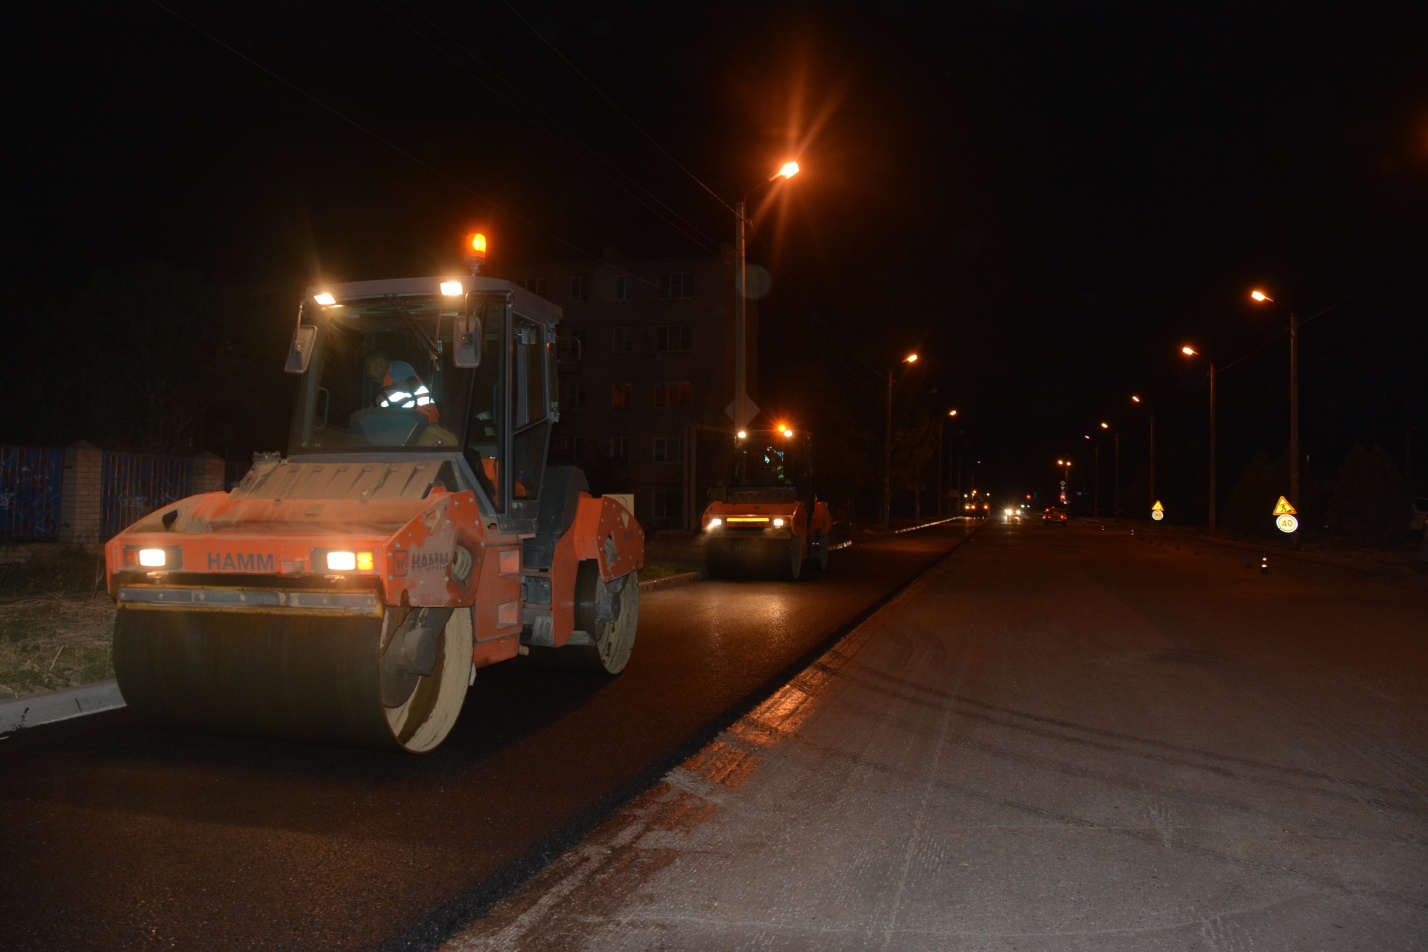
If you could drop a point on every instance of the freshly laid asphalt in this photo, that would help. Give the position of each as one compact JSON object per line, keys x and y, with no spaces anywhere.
{"x":1053,"y":740}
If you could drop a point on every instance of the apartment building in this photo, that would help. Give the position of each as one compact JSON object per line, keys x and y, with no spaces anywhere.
{"x":646,"y":370}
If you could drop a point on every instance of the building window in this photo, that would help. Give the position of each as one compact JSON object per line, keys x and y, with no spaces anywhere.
{"x":676,"y":284}
{"x":625,"y":339}
{"x":674,"y":337}
{"x":619,"y":449}
{"x":620,"y":396}
{"x":624,"y":287}
{"x":579,"y":289}
{"x":668,"y":506}
{"x":569,"y":348}
{"x":675,"y":393}
{"x":668,"y":449}
{"x":537,"y":286}
{"x":568,"y":450}
{"x":572,"y":395}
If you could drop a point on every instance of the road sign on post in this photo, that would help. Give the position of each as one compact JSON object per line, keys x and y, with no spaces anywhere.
{"x":1157,"y":511}
{"x":1284,"y":516}
{"x":742,"y":411}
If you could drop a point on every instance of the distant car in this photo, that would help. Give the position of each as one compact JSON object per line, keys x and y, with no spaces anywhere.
{"x":1055,"y":514}
{"x":1419,"y":514}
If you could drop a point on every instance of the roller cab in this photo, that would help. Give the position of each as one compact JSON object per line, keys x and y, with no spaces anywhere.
{"x":348,"y":592}
{"x":766,"y":522}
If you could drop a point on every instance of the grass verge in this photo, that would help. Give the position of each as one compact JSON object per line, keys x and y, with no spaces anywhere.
{"x":56,"y":622}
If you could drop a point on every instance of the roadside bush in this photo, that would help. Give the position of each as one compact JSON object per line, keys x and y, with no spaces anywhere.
{"x":1247,"y":510}
{"x":1370,"y":502}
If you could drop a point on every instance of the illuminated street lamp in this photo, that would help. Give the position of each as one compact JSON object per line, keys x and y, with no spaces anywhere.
{"x":941,"y":432}
{"x":887,"y":446}
{"x":1189,"y":351}
{"x":1116,"y":498}
{"x":1065,"y":464}
{"x":1263,"y":298}
{"x":1151,"y":481}
{"x":742,"y":409}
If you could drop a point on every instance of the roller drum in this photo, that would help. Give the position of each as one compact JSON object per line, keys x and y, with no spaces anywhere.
{"x":308,"y":678}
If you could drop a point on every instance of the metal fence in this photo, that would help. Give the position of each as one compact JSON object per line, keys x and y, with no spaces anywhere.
{"x":30,"y":484}
{"x":135,"y":484}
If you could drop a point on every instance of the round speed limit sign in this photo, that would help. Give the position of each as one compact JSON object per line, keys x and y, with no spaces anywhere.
{"x":1287,"y":523}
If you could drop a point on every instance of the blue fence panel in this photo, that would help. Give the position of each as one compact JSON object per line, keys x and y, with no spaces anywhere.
{"x":133,"y":485}
{"x":30,"y":483}
{"x":234,"y":471}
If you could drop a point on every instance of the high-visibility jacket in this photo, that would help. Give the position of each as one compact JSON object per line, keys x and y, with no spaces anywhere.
{"x":409,"y":393}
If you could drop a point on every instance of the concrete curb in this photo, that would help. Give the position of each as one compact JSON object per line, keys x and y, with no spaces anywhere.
{"x":32,"y":710}
{"x":36,"y":709}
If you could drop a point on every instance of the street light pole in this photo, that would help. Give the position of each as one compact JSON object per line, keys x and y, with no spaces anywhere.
{"x":742,"y":410}
{"x":941,"y":438}
{"x":1293,"y":397}
{"x":1213,"y":498}
{"x":1095,"y":477}
{"x":1116,"y":498}
{"x":1189,"y":351}
{"x":1151,"y":481}
{"x":887,"y":446}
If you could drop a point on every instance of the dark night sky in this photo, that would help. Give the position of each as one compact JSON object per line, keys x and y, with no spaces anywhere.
{"x":1046,"y":199}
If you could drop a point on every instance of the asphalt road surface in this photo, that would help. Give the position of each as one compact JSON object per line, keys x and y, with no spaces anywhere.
{"x":115,"y":836}
{"x":1057,"y":739}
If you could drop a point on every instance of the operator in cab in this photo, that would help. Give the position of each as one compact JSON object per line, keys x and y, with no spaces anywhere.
{"x":401,"y":387}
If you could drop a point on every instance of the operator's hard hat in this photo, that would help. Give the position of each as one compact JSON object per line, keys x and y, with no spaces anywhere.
{"x":399,"y":370}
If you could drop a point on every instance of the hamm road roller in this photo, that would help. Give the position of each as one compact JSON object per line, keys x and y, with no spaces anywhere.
{"x":347,"y":593}
{"x":767,"y":522}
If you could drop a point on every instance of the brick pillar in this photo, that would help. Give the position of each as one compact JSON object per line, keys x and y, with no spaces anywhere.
{"x":208,"y":473}
{"x":79,"y":516}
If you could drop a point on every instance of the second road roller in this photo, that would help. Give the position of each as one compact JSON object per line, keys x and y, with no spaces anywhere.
{"x":767,"y":522}
{"x":348,"y":592}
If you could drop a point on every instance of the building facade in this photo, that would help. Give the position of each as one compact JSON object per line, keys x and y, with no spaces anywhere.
{"x":646,"y":373}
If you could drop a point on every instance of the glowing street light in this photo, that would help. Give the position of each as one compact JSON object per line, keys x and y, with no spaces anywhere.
{"x":742,"y":409}
{"x":1189,"y":351}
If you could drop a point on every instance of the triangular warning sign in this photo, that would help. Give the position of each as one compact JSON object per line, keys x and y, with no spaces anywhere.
{"x":1157,"y":507}
{"x":1283,"y":508}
